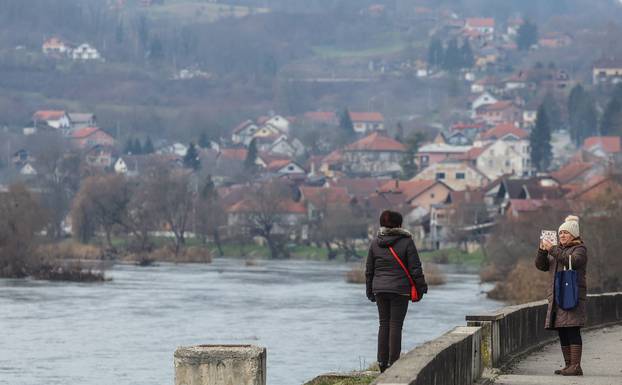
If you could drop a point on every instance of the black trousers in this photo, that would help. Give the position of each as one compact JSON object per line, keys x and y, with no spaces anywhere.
{"x":570,"y":336}
{"x":391,"y":313}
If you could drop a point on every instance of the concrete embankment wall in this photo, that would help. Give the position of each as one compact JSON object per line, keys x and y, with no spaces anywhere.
{"x":490,"y":340}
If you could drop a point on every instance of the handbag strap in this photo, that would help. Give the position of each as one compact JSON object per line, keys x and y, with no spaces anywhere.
{"x":410,"y":279}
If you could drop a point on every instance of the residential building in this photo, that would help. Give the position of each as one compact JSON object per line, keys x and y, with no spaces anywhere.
{"x":82,"y":120}
{"x":85,"y":52}
{"x":375,"y":155}
{"x":53,"y":118}
{"x":419,"y":192}
{"x":502,"y":150}
{"x":607,"y":70}
{"x":484,"y":27}
{"x":458,"y":175}
{"x":500,"y":112}
{"x":55,"y":46}
{"x":88,"y":137}
{"x":365,"y":122}
{"x":432,"y":153}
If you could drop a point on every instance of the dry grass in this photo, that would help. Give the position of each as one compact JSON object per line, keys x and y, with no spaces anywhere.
{"x":523,"y":284}
{"x":356,"y":274}
{"x":69,"y":250}
{"x":433,"y":275}
{"x":193,"y":254}
{"x":490,"y":273}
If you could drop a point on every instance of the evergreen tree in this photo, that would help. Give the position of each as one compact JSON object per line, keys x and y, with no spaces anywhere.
{"x":156,"y":49}
{"x":553,"y":112}
{"x":527,"y":35}
{"x":611,"y":123}
{"x":137,"y":148}
{"x":204,"y":141}
{"x":540,"y":141}
{"x":582,"y":115}
{"x":345,"y":123}
{"x":148,"y":148}
{"x":191,"y":159}
{"x":436,"y":53}
{"x":129,"y":147}
{"x":251,"y":156}
{"x":409,"y":167}
{"x":453,"y":56}
{"x":208,"y":191}
{"x":466,"y":55}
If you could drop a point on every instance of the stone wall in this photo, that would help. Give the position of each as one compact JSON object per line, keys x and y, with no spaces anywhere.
{"x":490,"y":340}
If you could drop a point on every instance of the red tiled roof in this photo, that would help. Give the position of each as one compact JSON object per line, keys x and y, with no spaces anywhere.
{"x":376,"y":142}
{"x":242,"y":126}
{"x":410,"y":188}
{"x":284,"y":207}
{"x":609,"y":144}
{"x":504,"y":129}
{"x":48,"y":115}
{"x":473,"y":153}
{"x":366,"y":116}
{"x":571,"y":171}
{"x":480,"y":22}
{"x":326,"y":196}
{"x":234,"y":153}
{"x":359,"y":186}
{"x":466,"y":126}
{"x":84,"y":132}
{"x":526,"y":205}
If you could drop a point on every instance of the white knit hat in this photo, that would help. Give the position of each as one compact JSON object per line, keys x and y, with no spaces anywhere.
{"x":571,"y":225}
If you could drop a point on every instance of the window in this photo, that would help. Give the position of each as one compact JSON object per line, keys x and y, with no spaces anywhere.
{"x":440,"y":175}
{"x":432,"y":195}
{"x":460,"y":175}
{"x":425,"y":159}
{"x":507,"y":163}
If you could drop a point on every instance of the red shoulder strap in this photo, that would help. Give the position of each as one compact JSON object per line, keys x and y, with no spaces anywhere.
{"x":414,"y":296}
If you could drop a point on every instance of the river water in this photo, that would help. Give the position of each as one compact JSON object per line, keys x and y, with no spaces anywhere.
{"x":124,"y":332}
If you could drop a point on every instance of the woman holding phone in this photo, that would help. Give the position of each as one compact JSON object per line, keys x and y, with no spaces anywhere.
{"x":570,"y":252}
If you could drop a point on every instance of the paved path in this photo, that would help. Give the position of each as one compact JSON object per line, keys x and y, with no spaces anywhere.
{"x":601,"y":363}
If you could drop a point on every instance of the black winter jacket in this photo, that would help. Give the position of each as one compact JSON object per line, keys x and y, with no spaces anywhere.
{"x":382,"y":272}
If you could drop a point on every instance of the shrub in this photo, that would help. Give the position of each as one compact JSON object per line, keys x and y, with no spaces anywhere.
{"x":433,"y":274}
{"x":356,"y":274}
{"x":523,"y":284}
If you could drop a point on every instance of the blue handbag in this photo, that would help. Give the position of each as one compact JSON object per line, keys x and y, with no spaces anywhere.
{"x":567,"y":287}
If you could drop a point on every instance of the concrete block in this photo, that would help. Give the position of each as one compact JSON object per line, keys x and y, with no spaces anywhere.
{"x":220,"y":365}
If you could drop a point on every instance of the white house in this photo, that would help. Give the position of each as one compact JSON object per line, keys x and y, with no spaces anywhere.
{"x":284,"y":146}
{"x":482,"y":100}
{"x":85,"y":52}
{"x":502,"y":150}
{"x":53,"y":118}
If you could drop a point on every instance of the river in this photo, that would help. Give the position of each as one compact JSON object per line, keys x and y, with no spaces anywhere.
{"x":124,"y":332}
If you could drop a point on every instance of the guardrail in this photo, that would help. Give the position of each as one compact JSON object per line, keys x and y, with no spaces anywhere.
{"x":490,"y":340}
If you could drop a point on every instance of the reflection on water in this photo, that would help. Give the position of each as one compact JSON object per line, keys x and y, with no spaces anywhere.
{"x":125,"y":331}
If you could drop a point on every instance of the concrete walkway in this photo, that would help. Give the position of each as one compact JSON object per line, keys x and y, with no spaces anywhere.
{"x":601,"y":362}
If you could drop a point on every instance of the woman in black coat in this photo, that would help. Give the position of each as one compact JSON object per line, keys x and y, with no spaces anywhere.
{"x":389,"y":286}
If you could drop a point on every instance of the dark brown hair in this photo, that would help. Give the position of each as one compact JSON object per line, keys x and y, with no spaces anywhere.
{"x":390,"y":219}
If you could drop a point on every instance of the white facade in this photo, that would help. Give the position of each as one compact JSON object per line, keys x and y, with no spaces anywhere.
{"x":85,"y":52}
{"x":509,"y":155}
{"x":482,"y":100}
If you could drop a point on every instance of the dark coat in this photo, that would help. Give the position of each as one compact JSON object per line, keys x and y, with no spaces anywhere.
{"x":558,"y":257}
{"x":383,"y":273}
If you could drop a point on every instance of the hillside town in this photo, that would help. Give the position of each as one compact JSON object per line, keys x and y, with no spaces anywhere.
{"x":525,"y":136}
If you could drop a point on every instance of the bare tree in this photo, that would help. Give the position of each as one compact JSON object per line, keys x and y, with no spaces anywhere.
{"x":171,"y":199}
{"x":104,"y":200}
{"x":59,"y":172}
{"x":20,"y":219}
{"x":209,"y":214}
{"x":264,"y":215}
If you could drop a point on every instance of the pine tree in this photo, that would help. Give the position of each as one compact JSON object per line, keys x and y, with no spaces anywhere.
{"x":409,"y":167}
{"x":251,"y":156}
{"x":582,"y":115}
{"x":527,"y":35}
{"x":435,"y":53}
{"x":129,"y":147}
{"x":540,"y":141}
{"x":453,"y":56}
{"x":191,"y":159}
{"x":208,"y":191}
{"x":148,"y":147}
{"x":204,"y":141}
{"x":466,"y":55}
{"x":611,"y":123}
{"x":345,"y":123}
{"x":553,"y":112}
{"x":137,"y":148}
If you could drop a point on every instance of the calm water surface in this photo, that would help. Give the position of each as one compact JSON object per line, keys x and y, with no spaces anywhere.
{"x":124,"y":332}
